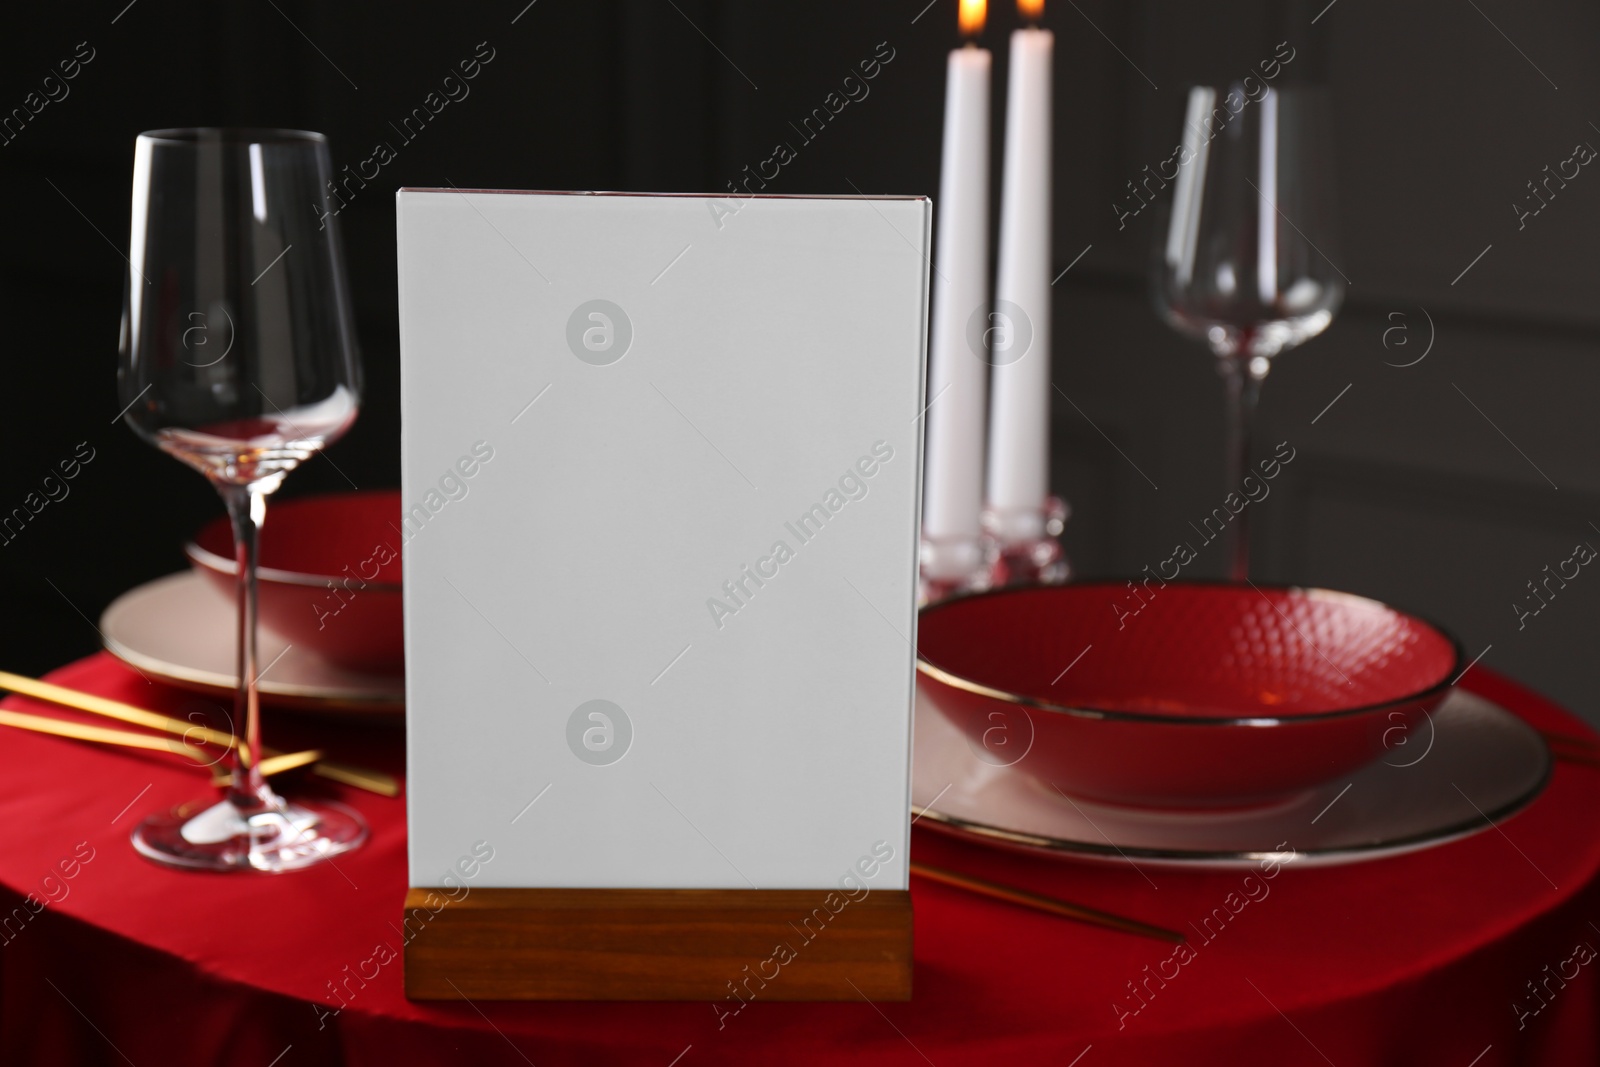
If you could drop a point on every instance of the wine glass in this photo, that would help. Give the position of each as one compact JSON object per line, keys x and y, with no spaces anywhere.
{"x":238,"y":357}
{"x":1243,"y":260}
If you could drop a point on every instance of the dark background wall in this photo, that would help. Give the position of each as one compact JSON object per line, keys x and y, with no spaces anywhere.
{"x":1443,"y":486}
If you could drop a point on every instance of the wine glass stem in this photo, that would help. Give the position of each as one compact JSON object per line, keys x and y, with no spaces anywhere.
{"x":247,"y":508}
{"x":1243,"y":390}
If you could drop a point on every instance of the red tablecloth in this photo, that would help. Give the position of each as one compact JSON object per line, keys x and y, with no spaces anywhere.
{"x":1428,"y":958}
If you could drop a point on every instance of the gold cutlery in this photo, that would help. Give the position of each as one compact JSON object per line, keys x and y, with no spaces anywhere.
{"x":79,"y":731}
{"x":272,"y":765}
{"x":359,"y":777}
{"x":1076,"y":912}
{"x":1555,"y":740}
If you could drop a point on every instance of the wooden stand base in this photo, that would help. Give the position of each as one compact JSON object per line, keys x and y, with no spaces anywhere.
{"x":658,"y":944}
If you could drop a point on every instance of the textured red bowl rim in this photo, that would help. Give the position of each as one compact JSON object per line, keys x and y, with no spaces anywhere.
{"x":939,"y":674}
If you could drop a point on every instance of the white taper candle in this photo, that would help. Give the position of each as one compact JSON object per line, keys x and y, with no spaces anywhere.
{"x":1019,"y":424}
{"x":957,"y":380}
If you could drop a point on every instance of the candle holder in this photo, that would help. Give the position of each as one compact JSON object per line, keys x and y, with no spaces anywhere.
{"x":950,"y":566}
{"x":1026,"y":544}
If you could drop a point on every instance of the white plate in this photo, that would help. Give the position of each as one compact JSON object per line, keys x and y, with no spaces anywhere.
{"x":1472,"y":763}
{"x":180,"y":630}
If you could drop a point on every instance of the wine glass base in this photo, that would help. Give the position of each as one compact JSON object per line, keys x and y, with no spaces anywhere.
{"x":219,"y":836}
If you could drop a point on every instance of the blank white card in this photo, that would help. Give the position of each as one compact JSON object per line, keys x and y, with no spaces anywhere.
{"x":661,"y":479}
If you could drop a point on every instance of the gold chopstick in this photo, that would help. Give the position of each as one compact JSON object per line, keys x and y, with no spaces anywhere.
{"x":274,"y":765}
{"x":1580,"y":744}
{"x":1569,"y":749}
{"x":1076,"y":912}
{"x":360,"y":777}
{"x":1581,"y":757}
{"x":79,"y":731}
{"x":386,"y":785}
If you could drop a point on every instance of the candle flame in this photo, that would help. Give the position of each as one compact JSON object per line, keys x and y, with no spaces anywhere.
{"x":971,"y":16}
{"x":1032,"y":10}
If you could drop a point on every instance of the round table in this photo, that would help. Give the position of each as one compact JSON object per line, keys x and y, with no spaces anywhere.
{"x":1477,"y":953}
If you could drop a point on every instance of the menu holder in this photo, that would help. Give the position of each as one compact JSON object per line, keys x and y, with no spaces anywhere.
{"x":661,"y":944}
{"x":661,"y":489}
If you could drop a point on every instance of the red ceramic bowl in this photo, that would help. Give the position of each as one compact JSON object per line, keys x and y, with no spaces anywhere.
{"x":329,"y":575}
{"x":1184,"y":695}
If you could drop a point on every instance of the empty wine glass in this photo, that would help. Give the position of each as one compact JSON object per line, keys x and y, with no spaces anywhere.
{"x":238,"y":357}
{"x":1243,"y":260}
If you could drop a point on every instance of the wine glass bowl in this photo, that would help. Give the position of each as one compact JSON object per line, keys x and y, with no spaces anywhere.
{"x":238,"y":357}
{"x":1287,"y":327}
{"x":1238,"y":267}
{"x":260,"y":450}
